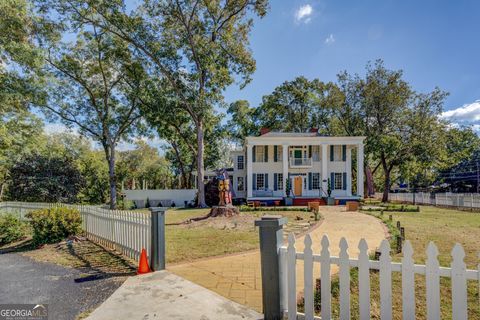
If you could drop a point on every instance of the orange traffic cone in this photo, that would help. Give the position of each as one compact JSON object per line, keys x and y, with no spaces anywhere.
{"x":143,"y":265}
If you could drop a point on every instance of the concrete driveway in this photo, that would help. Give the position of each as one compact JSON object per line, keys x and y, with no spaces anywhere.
{"x":67,"y":291}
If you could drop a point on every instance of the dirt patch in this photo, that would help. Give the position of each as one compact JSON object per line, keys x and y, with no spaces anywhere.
{"x":239,"y":222}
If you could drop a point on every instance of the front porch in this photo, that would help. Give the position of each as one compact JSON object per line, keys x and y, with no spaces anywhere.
{"x":300,"y":201}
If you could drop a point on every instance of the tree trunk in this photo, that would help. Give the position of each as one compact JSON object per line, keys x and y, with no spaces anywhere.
{"x":386,"y":188}
{"x":200,"y":170}
{"x":112,"y":177}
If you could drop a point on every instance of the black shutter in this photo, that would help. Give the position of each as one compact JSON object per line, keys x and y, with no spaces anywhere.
{"x":331,"y":153}
{"x":275,"y":149}
{"x":344,"y":181}
{"x":309,"y":181}
{"x":254,"y":182}
{"x":344,"y":153}
{"x":332,"y":181}
{"x":309,"y":151}
{"x":253,"y":154}
{"x":265,"y":148}
{"x":275,"y":182}
{"x":266,"y":181}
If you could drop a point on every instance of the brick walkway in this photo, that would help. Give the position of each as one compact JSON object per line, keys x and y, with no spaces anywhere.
{"x":238,"y":277}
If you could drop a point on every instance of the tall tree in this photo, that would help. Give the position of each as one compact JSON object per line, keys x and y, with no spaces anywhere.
{"x":198,"y":47}
{"x":95,"y":87}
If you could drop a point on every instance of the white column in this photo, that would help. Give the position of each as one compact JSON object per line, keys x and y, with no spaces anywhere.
{"x":360,"y":170}
{"x":324,"y":168}
{"x":249,"y":171}
{"x":348,"y":169}
{"x":285,"y":167}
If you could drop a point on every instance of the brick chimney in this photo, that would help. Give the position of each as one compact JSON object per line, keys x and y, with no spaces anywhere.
{"x":314,"y":130}
{"x":264,"y":131}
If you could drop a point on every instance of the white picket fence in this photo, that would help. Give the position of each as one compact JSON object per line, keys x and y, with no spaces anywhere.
{"x":459,"y":200}
{"x":432,"y":271}
{"x":124,"y":231}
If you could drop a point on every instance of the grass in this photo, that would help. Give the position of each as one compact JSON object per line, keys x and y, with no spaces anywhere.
{"x":445,"y":227}
{"x":219,"y":236}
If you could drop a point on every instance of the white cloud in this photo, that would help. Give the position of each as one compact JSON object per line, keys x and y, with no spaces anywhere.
{"x":466,"y":114}
{"x":304,"y":13}
{"x":330,"y":39}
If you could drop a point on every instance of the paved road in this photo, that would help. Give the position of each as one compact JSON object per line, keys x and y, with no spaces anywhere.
{"x":23,"y":280}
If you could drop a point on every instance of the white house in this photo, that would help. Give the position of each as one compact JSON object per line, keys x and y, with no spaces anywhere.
{"x":308,"y":160}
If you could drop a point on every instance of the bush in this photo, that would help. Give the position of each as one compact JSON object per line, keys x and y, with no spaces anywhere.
{"x":55,"y":224}
{"x":11,"y":228}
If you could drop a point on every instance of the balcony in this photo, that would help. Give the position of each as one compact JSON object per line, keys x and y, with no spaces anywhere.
{"x":300,"y":162}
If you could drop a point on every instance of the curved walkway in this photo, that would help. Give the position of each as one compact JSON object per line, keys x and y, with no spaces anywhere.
{"x":238,"y":277}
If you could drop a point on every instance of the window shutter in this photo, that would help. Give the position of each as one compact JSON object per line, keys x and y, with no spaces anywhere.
{"x":266,"y":153}
{"x":309,"y":151}
{"x":332,"y":180}
{"x":266,"y":181}
{"x":344,"y":181}
{"x":309,"y":181}
{"x":344,"y":153}
{"x":254,"y":153}
{"x":254,"y":178}
{"x":275,"y":149}
{"x":275,"y":182}
{"x":331,"y":153}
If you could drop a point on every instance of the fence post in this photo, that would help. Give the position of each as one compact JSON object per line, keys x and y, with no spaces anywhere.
{"x":157,"y":238}
{"x":271,"y":239}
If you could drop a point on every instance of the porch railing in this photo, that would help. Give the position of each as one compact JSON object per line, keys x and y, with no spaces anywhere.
{"x":300,"y":162}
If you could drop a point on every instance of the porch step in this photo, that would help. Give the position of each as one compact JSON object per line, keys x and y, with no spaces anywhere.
{"x":305,"y":201}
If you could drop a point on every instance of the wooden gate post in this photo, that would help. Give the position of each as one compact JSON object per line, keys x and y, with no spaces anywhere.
{"x":271,"y":239}
{"x":157,"y":238}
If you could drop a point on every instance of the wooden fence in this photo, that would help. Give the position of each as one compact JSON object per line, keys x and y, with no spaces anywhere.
{"x":124,"y":231}
{"x":432,"y":271}
{"x":458,"y":200}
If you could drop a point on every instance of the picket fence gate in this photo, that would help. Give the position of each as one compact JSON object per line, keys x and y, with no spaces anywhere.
{"x":457,"y":272}
{"x":122,"y":230}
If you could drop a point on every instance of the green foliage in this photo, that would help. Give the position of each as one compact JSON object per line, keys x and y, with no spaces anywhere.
{"x":329,"y":187}
{"x":40,"y":178}
{"x":11,"y":228}
{"x":54,"y":224}
{"x":250,"y":209}
{"x":123,"y":204}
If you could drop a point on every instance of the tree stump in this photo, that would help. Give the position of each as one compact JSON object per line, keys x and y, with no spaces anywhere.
{"x":224,"y":211}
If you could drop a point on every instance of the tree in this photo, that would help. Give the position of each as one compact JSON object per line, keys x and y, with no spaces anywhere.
{"x":94,"y":87}
{"x":242,"y":123}
{"x":196,"y":46}
{"x":400,"y":124}
{"x":40,"y":178}
{"x":295,"y":106}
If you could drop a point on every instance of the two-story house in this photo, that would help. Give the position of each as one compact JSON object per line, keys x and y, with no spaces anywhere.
{"x":308,"y":161}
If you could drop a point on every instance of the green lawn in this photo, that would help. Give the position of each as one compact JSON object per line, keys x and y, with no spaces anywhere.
{"x":445,"y":227}
{"x":218,"y":236}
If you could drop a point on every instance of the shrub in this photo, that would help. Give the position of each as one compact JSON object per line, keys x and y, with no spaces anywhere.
{"x":55,"y":224}
{"x":11,"y":228}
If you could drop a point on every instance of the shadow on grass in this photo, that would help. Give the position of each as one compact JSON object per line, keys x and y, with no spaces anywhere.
{"x":19,"y":246}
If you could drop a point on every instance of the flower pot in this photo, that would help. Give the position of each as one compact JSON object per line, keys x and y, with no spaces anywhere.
{"x":288,"y":201}
{"x":331,"y":201}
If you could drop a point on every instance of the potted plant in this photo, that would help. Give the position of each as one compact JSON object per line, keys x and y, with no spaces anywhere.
{"x":330,"y":199}
{"x":288,"y":189}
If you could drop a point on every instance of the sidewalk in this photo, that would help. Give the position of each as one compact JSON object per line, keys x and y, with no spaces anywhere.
{"x":162,"y":295}
{"x":238,"y":277}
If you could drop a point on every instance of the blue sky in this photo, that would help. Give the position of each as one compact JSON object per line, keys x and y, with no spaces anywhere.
{"x":436,"y":43}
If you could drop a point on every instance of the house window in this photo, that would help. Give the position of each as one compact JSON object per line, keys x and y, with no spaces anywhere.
{"x":316,"y":180}
{"x":338,"y":183}
{"x":279,"y":181}
{"x":337,"y":153}
{"x":260,"y":181}
{"x":240,"y":162}
{"x":316,"y":153}
{"x":240,"y":184}
{"x":259,"y":154}
{"x":279,"y":153}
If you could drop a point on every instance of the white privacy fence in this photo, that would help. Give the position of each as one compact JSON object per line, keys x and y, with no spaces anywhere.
{"x":432,"y":271}
{"x":125,"y":231}
{"x":461,"y":200}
